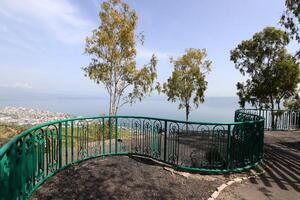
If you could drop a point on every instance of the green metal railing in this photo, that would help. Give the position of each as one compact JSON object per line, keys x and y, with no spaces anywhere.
{"x":278,"y":119}
{"x":42,"y":151}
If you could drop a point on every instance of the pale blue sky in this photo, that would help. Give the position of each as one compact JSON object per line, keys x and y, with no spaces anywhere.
{"x":42,"y":42}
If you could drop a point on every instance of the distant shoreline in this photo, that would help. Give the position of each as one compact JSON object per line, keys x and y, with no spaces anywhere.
{"x":29,"y":116}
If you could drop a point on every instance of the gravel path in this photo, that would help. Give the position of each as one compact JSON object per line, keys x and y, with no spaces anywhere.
{"x":125,"y":178}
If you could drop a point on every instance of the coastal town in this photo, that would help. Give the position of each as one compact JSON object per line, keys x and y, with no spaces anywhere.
{"x":28,"y":116}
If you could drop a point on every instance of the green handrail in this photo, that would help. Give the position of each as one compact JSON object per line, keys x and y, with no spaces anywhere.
{"x":278,"y":119}
{"x":30,"y":158}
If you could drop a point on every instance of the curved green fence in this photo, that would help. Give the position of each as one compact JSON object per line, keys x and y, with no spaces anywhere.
{"x":278,"y":119}
{"x":41,"y":151}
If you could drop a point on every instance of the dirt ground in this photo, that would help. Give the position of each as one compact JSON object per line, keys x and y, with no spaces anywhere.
{"x":125,"y":178}
{"x":281,"y":179}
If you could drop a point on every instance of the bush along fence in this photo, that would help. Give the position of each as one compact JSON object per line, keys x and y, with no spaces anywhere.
{"x":41,"y":151}
{"x":278,"y":119}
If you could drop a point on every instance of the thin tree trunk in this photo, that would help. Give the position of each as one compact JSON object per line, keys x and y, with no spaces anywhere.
{"x":272,"y":113}
{"x":187,"y":112}
{"x":110,"y":105}
{"x":278,"y":112}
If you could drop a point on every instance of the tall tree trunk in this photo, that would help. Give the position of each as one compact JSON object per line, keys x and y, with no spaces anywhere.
{"x":187,"y":112}
{"x":110,"y":104}
{"x":278,"y":105}
{"x":272,"y":114}
{"x":278,"y":113}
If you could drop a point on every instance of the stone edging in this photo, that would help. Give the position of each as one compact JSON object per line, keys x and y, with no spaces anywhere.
{"x":216,"y":193}
{"x":235,"y":180}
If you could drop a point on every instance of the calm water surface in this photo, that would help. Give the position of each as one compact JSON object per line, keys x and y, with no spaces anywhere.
{"x":215,"y":109}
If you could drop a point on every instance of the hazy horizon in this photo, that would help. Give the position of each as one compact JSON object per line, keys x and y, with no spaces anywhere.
{"x":215,"y":109}
{"x":42,"y":52}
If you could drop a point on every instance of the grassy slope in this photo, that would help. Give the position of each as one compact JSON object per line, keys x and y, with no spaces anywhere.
{"x":7,"y":132}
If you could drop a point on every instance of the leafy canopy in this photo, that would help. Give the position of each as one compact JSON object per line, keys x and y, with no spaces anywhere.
{"x":291,"y":19}
{"x":188,"y":79}
{"x":112,"y":47}
{"x":293,"y":103}
{"x":273,"y":73}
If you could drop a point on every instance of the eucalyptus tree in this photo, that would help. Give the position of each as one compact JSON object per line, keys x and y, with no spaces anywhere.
{"x":287,"y":78}
{"x":273,"y":74}
{"x":112,"y":48}
{"x":291,"y":20}
{"x":293,"y":103}
{"x":187,"y":83}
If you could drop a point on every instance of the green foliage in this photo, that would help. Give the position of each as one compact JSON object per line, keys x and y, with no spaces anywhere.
{"x":8,"y":131}
{"x":188,"y":79}
{"x":291,"y":19}
{"x":112,"y":48}
{"x":293,"y":103}
{"x":273,"y":73}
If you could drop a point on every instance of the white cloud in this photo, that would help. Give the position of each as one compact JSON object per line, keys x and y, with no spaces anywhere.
{"x":18,"y":85}
{"x":11,"y":36}
{"x":22,"y":85}
{"x":59,"y":18}
{"x":145,"y":54}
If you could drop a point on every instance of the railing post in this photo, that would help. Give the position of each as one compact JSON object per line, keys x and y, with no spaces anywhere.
{"x":87,"y":136}
{"x":103,"y":136}
{"x":72,"y":141}
{"x":116,"y":135}
{"x":59,"y":145}
{"x":267,"y":122}
{"x":66,"y":138}
{"x":298,"y":114}
{"x":165,"y":142}
{"x":110,"y":133}
{"x":262,"y":135}
{"x":228,"y":146}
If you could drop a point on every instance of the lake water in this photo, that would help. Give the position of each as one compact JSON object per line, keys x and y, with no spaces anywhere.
{"x":214,"y":109}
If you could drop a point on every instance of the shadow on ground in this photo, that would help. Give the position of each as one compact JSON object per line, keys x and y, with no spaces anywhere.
{"x":281,"y":179}
{"x":282,"y":160}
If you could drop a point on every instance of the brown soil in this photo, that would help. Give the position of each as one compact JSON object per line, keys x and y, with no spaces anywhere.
{"x":121,"y":177}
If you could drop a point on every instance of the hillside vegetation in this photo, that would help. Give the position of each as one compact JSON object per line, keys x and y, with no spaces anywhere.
{"x":8,"y":131}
